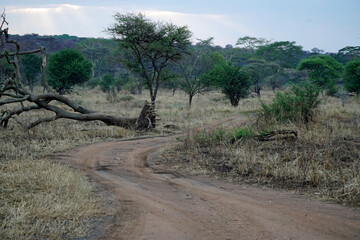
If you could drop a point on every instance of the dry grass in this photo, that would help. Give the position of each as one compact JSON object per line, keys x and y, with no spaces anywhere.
{"x":323,"y":161}
{"x":40,"y":199}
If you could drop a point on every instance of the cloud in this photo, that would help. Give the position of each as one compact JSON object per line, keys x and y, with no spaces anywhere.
{"x":52,"y":19}
{"x":90,"y":21}
{"x":221,"y":27}
{"x":47,"y":8}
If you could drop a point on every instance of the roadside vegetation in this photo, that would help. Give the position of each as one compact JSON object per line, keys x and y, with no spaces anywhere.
{"x":41,"y":198}
{"x":313,"y":150}
{"x":302,"y":114}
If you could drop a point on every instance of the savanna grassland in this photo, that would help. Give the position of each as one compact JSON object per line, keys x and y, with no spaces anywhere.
{"x":41,"y":198}
{"x":321,"y":161}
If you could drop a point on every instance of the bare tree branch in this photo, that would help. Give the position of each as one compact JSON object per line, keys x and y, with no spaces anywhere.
{"x":39,"y":121}
{"x":14,"y":100}
{"x":14,"y":93}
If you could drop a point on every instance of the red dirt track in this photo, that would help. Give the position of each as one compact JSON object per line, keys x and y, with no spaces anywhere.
{"x":154,"y":203}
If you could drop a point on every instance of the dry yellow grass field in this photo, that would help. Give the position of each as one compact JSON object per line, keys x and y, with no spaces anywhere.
{"x":43,"y":199}
{"x":322,"y":161}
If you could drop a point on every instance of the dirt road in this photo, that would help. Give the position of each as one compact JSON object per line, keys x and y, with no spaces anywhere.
{"x":156,"y":204}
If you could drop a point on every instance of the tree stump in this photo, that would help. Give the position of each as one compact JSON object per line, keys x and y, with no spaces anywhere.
{"x":147,"y":118}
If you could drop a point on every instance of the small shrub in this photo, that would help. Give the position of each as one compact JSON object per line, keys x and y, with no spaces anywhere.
{"x":240,"y":133}
{"x":296,"y":106}
{"x":107,"y":83}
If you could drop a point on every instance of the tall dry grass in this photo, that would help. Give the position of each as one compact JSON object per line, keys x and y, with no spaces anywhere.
{"x":323,"y":161}
{"x":41,"y":199}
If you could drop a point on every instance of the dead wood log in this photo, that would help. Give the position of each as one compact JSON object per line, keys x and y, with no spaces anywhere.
{"x":13,"y":92}
{"x":278,"y":135}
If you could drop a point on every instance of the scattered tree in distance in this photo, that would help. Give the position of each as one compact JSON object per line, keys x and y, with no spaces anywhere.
{"x":323,"y":70}
{"x":67,"y":68}
{"x":150,"y":46}
{"x":233,"y":80}
{"x":352,"y":76}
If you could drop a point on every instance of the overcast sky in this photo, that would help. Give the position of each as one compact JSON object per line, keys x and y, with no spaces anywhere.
{"x":326,"y":24}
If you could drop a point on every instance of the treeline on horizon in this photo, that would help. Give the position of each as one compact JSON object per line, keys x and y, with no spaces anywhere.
{"x":109,"y":72}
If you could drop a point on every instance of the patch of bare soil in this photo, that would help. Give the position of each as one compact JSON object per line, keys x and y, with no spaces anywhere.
{"x":156,"y":203}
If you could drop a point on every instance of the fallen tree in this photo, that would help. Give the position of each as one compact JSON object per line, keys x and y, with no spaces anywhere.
{"x":15,"y":99}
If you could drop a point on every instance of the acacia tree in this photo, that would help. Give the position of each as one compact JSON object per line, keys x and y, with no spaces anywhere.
{"x":251,"y":44}
{"x":259,"y":70}
{"x":233,"y":81}
{"x":15,"y":99}
{"x":97,"y":52}
{"x":322,"y":70}
{"x":151,"y":45}
{"x":194,"y":65}
{"x":284,"y":53}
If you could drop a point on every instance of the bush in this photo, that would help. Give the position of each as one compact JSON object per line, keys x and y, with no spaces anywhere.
{"x":107,"y":83}
{"x":67,"y":68}
{"x":298,"y":105}
{"x":243,"y":133}
{"x":352,"y":76}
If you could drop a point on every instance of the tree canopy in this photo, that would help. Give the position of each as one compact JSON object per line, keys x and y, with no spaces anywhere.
{"x":67,"y":68}
{"x":259,"y":70}
{"x":251,"y":44}
{"x":233,"y":81}
{"x":285,"y":53}
{"x":150,"y":46}
{"x":352,"y":76}
{"x":322,"y":70}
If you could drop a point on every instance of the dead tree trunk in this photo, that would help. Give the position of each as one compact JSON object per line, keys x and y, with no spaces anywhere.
{"x":147,"y":118}
{"x":15,"y":99}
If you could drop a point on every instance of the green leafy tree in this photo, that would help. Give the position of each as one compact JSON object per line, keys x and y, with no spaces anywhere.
{"x":67,"y":68}
{"x":322,"y":70}
{"x":352,"y":76}
{"x":150,"y":46}
{"x":251,"y":44}
{"x":353,"y":51}
{"x":232,"y":80}
{"x":284,"y":53}
{"x":31,"y":66}
{"x":259,"y":70}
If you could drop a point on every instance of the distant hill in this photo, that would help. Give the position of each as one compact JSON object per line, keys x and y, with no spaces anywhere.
{"x":51,"y":43}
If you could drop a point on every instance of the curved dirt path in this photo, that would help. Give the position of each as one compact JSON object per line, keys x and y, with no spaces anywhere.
{"x":156,"y":204}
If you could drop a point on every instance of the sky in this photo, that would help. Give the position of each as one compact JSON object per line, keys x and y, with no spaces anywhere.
{"x":328,"y":25}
